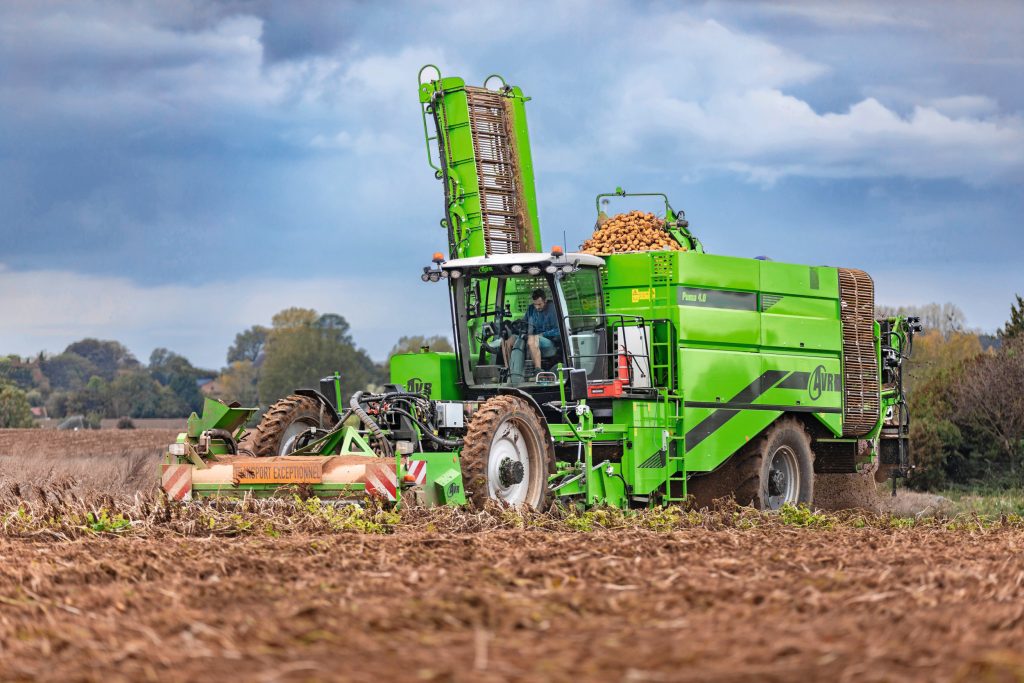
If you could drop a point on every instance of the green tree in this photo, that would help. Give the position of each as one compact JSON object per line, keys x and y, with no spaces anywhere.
{"x":238,"y":383}
{"x":988,"y":408}
{"x":68,"y":371}
{"x":248,"y":344}
{"x":17,"y":372}
{"x":15,"y":411}
{"x":1015,"y":325}
{"x":108,"y":356}
{"x":137,"y":394}
{"x":57,"y":404}
{"x":179,"y":375}
{"x":302,"y":347}
{"x":934,"y":370}
{"x":92,"y":399}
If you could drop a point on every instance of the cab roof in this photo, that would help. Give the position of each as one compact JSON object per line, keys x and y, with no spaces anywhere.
{"x":536,"y":259}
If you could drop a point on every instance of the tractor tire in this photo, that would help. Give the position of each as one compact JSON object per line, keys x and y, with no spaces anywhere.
{"x":282,"y":424}
{"x":507,"y":455}
{"x":777,"y":469}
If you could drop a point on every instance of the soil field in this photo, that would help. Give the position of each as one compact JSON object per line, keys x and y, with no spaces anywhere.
{"x":127,"y":588}
{"x":118,"y":462}
{"x":772,"y":604}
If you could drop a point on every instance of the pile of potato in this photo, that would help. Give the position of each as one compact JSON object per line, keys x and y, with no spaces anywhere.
{"x":633,"y":231}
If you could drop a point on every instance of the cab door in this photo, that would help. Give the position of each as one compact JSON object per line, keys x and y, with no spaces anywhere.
{"x":585,"y":327}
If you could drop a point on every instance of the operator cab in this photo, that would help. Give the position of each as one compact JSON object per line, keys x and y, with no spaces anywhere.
{"x":519,"y":316}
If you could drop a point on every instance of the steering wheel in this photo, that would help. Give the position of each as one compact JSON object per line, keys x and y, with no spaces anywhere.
{"x":487,"y":338}
{"x":513,"y":327}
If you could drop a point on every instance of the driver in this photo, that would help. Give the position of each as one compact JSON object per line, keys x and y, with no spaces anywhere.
{"x":542,"y":330}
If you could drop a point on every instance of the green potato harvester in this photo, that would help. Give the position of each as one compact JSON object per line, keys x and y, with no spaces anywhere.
{"x":628,"y":380}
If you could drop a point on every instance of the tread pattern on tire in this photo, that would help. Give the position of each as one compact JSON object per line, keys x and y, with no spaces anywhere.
{"x":751,"y":461}
{"x":480,"y":434}
{"x":264,"y":440}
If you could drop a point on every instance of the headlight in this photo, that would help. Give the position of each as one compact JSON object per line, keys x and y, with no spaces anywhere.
{"x":516,"y":268}
{"x":434,"y":276}
{"x":455,"y":274}
{"x":425,"y":277}
{"x":533,"y":270}
{"x":551,"y":269}
{"x":444,"y":274}
{"x":177,"y":449}
{"x":567,"y":268}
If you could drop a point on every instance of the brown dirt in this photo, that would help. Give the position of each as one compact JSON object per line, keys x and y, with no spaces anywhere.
{"x":861,"y":492}
{"x":477,"y":600}
{"x":111,"y":461}
{"x":776,"y":604}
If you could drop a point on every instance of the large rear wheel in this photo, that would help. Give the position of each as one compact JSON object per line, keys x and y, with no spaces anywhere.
{"x":777,"y":469}
{"x":282,"y":426}
{"x":507,"y":454}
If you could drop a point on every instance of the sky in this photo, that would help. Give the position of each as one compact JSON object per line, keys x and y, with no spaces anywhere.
{"x":172,"y":173}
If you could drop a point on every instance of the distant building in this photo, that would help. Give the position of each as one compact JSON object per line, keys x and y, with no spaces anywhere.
{"x":209,"y":386}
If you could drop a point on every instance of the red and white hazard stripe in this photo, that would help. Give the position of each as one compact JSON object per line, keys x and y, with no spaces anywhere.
{"x":177,"y":481}
{"x":381,"y":480}
{"x":417,"y":470}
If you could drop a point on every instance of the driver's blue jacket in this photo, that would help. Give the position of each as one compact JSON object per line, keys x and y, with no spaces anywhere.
{"x":543,"y":322}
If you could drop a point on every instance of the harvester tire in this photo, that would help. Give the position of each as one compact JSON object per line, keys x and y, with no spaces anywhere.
{"x":283,"y":422}
{"x":507,"y":454}
{"x":777,"y":468}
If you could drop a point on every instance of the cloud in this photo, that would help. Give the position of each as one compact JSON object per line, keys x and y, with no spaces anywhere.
{"x":730,"y":110}
{"x":844,"y":15}
{"x":54,"y":308}
{"x":965,"y":106}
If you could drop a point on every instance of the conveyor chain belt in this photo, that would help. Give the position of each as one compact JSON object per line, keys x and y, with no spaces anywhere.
{"x":501,"y":204}
{"x":861,"y":399}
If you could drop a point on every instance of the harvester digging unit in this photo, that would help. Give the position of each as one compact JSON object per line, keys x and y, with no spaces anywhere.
{"x":630,"y":376}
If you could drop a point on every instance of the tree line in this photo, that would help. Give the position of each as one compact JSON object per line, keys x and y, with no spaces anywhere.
{"x":966,"y":399}
{"x":965,"y":389}
{"x":100,"y":379}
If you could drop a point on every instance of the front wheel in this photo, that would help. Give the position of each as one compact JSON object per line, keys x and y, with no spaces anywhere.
{"x":284,"y":425}
{"x":778,"y":469}
{"x":507,"y":454}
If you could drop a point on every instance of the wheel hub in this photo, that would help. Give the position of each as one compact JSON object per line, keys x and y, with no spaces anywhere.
{"x":510,"y":472}
{"x":508,"y":465}
{"x":783,"y":480}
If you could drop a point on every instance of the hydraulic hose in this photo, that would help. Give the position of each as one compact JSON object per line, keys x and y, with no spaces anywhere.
{"x":227,"y":437}
{"x":440,"y":441}
{"x":369,"y":422}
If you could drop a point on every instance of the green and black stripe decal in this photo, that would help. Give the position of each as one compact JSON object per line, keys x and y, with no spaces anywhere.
{"x":796,"y":380}
{"x":657,"y":460}
{"x":717,"y":298}
{"x":744,"y":400}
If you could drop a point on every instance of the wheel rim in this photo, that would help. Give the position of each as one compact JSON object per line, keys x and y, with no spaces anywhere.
{"x":783,"y":478}
{"x":508,"y":465}
{"x":294,"y":431}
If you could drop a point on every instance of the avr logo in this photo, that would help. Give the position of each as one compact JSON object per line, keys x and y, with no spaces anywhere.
{"x":820,"y":381}
{"x":418,"y":386}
